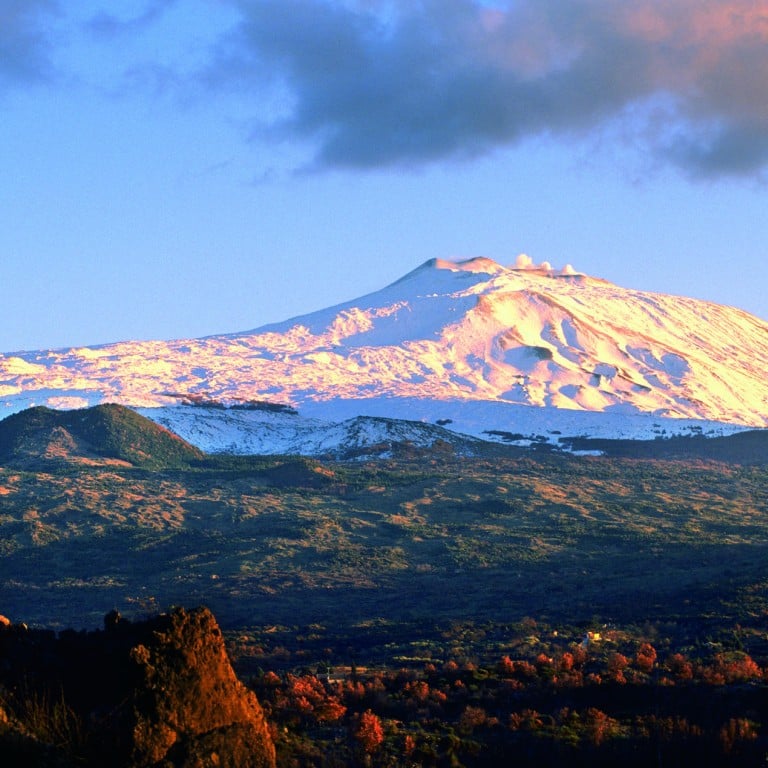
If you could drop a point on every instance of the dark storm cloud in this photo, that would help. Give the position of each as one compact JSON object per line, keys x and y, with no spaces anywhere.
{"x":380,"y":83}
{"x":24,"y":47}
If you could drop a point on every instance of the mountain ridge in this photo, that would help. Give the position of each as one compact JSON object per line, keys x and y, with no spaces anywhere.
{"x":471,"y":331}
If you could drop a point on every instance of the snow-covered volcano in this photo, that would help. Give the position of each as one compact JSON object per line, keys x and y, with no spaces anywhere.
{"x":468,"y":332}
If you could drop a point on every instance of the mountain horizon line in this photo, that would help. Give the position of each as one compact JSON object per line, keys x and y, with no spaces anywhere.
{"x":468,"y":330}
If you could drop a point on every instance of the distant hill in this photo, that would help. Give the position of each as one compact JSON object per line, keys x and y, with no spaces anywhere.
{"x":102,"y":434}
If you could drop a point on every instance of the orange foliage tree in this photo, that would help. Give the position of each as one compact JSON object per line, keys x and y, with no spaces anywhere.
{"x":645,"y":658}
{"x":617,"y":663}
{"x":369,"y":733}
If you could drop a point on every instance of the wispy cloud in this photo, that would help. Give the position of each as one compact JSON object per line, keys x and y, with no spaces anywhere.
{"x":377,"y":83}
{"x":24,"y":47}
{"x":105,"y":24}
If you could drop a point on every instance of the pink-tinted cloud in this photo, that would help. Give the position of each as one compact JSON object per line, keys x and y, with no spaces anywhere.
{"x":404,"y":82}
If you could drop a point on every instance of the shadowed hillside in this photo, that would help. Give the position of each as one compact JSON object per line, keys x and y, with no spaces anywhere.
{"x":424,"y":538}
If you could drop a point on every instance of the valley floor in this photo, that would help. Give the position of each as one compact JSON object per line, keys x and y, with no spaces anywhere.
{"x":440,"y":566}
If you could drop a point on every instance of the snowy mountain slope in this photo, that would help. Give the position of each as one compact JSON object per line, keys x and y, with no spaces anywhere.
{"x":255,"y":432}
{"x":452,"y":338}
{"x":333,"y":428}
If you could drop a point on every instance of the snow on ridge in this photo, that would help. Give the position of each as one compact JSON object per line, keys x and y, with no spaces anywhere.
{"x":240,"y":431}
{"x":340,"y":426}
{"x":453,"y":332}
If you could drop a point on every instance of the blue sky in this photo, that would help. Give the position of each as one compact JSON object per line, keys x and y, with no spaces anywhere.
{"x":178,"y":168}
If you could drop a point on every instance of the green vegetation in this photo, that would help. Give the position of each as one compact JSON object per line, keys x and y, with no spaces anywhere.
{"x":38,"y":435}
{"x":297,"y":541}
{"x":407,"y":596}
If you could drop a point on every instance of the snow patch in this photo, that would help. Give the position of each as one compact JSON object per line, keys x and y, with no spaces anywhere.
{"x":338,"y":425}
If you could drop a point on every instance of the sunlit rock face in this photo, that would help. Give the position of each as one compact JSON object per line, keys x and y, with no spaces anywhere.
{"x":448,"y":331}
{"x":156,"y":693}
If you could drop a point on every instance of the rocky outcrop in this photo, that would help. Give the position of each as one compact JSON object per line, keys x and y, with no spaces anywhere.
{"x":155,"y":694}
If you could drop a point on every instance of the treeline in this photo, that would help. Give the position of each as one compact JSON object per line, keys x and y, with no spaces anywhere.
{"x":581,"y":706}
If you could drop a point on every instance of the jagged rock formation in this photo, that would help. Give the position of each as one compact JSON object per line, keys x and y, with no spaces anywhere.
{"x":155,"y":694}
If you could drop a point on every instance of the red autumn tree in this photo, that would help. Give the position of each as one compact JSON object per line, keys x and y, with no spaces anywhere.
{"x":599,"y":726}
{"x":369,"y":733}
{"x":617,"y":663}
{"x":680,"y":667}
{"x":645,"y":658}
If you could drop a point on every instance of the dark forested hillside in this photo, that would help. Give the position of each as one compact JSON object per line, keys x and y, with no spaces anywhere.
{"x":39,"y":435}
